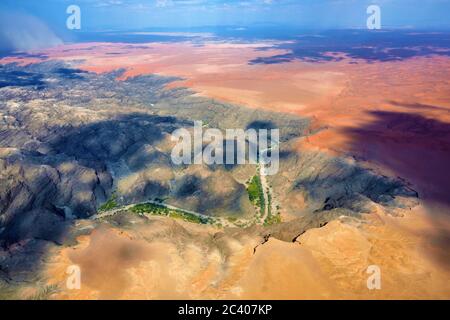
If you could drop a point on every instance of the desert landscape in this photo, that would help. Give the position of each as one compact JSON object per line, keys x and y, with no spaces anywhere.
{"x":87,"y":180}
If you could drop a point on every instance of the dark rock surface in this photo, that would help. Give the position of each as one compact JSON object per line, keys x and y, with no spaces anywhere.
{"x":70,"y":139}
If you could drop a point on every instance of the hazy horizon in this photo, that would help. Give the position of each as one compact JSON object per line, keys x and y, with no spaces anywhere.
{"x":119,"y":15}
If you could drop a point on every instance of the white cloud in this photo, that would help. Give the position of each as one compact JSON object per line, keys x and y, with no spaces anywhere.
{"x":108,"y":3}
{"x":164,"y":3}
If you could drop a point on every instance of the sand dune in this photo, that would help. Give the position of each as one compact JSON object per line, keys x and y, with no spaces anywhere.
{"x":325,"y":263}
{"x":393,"y":116}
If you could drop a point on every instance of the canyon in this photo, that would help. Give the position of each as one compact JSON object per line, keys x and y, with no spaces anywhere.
{"x":363,"y":177}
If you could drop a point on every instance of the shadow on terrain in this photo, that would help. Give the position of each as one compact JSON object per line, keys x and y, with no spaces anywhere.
{"x":33,"y":215}
{"x":39,"y":219}
{"x":418,"y":106}
{"x":21,"y":79}
{"x":59,"y":172}
{"x":360,"y":45}
{"x":415,"y":148}
{"x":338,"y":185}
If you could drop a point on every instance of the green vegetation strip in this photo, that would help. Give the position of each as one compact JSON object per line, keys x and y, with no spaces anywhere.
{"x":110,"y":204}
{"x":159,"y":210}
{"x":256,"y":193}
{"x":271,"y":218}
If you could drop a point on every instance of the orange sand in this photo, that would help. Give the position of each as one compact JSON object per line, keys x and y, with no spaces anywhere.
{"x":393,"y":115}
{"x":326,"y":263}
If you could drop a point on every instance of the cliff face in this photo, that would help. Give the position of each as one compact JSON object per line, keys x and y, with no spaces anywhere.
{"x":162,"y":258}
{"x":72,"y":142}
{"x":70,"y":139}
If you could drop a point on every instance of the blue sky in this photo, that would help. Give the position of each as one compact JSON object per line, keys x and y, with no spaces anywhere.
{"x":310,"y":14}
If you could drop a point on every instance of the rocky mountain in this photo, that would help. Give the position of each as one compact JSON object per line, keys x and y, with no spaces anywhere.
{"x":74,"y":143}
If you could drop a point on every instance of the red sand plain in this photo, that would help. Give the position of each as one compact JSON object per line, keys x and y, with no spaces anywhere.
{"x":395,"y":116}
{"x":387,"y":113}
